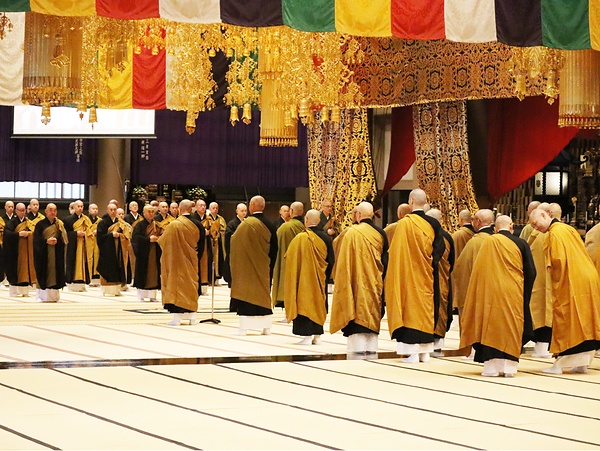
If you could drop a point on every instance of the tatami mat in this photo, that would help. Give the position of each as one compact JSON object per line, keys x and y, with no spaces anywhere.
{"x":93,"y":372}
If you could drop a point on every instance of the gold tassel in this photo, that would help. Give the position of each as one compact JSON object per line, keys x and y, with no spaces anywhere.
{"x":46,"y":113}
{"x":247,"y":114}
{"x":234,"y":115}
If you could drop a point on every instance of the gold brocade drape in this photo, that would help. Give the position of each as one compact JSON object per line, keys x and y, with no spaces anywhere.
{"x":442,"y":158}
{"x":397,"y":72}
{"x":340,"y":165}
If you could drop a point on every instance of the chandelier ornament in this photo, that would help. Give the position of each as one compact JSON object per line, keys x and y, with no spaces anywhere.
{"x":533,"y":62}
{"x":6,"y":25}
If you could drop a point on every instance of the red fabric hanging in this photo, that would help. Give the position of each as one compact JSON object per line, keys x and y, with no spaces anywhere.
{"x":149,"y":80}
{"x":402,"y":149}
{"x":128,"y":9}
{"x":418,"y":19}
{"x":523,"y":137}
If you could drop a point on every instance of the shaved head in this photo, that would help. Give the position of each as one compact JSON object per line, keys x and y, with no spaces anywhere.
{"x":403,"y":210}
{"x":465,"y":217}
{"x":297,"y":209}
{"x":555,"y":210}
{"x":417,"y":199}
{"x":312,"y":218}
{"x":257,"y":204}
{"x":532,"y":206}
{"x":435,"y":213}
{"x":185,"y":206}
{"x":364,"y":210}
{"x":483,"y":218}
{"x":504,"y":222}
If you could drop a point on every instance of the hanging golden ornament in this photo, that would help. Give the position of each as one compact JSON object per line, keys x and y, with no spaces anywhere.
{"x":579,"y":101}
{"x":6,"y":25}
{"x":324,"y":115}
{"x":234,"y":116}
{"x":81,"y":109}
{"x":93,"y":116}
{"x":287,"y":119}
{"x":190,"y":121}
{"x":247,"y":114}
{"x":551,"y":91}
{"x":46,"y":113}
{"x":336,"y":115}
{"x":294,"y":112}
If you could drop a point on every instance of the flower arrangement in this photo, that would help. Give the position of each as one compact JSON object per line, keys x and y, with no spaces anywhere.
{"x":139,"y":192}
{"x":196,"y":193}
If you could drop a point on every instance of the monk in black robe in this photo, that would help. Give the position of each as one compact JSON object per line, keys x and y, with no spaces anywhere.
{"x":112,"y":264}
{"x":49,"y":240}
{"x":147,"y":253}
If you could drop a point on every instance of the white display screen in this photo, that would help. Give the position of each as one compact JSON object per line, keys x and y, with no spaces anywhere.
{"x":65,"y":122}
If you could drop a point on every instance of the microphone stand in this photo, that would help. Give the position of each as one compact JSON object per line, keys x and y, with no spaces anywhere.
{"x":212,"y":318}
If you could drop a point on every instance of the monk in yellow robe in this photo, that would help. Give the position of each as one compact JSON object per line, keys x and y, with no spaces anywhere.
{"x":411,"y":287}
{"x":18,"y":252}
{"x":253,"y":254}
{"x":216,"y":226}
{"x":80,"y":250}
{"x":575,"y":294}
{"x":357,"y":303}
{"x":182,"y":244}
{"x":309,"y":260}
{"x":403,"y":210}
{"x":94,"y":220}
{"x":527,"y":230}
{"x":482,"y":222}
{"x":496,"y":316}
{"x":337,"y":241}
{"x":466,"y":231}
{"x":113,"y":236}
{"x":285,"y":234}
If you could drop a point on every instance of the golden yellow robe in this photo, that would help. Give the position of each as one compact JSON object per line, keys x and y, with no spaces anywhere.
{"x":389,"y":230}
{"x":526,"y":232}
{"x":337,"y":242}
{"x":592,"y":244}
{"x":285,"y":234}
{"x":95,"y":249}
{"x":409,"y":279}
{"x":25,"y":267}
{"x":179,"y":264}
{"x":461,"y":237}
{"x":125,"y":231}
{"x":493,"y":312}
{"x":541,"y":296}
{"x":306,"y":262}
{"x":575,"y":289}
{"x":250,"y":263}
{"x":85,"y":248}
{"x":463,"y":268}
{"x":2,"y":224}
{"x":359,"y":279}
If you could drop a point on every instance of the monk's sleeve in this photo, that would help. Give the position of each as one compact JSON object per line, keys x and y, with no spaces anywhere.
{"x":452,"y":253}
{"x":529,"y":274}
{"x":202,"y":240}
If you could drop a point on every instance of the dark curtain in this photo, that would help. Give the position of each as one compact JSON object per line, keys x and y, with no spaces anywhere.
{"x":402,"y":148}
{"x":518,"y":22}
{"x":523,"y":137}
{"x":217,"y":154}
{"x":255,"y":13}
{"x":44,"y":159}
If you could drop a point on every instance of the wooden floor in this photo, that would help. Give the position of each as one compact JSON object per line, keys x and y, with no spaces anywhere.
{"x":95,"y":372}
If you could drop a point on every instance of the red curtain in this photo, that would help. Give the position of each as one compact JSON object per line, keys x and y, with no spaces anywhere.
{"x":523,"y":137}
{"x":149,"y":80}
{"x":128,"y":9}
{"x":418,"y":19}
{"x":402,"y":151}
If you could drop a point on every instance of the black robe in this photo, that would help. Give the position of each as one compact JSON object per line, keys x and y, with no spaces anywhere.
{"x":244,"y":308}
{"x":11,"y":251}
{"x":40,"y":256}
{"x":130,"y":219}
{"x":141,"y":248}
{"x":69,"y":221}
{"x":483,"y":352}
{"x":110,"y":263}
{"x":451,"y":256}
{"x":302,"y":325}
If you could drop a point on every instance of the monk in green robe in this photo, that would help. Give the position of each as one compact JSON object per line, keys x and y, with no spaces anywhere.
{"x":285,"y":234}
{"x":575,"y":294}
{"x":357,"y":303}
